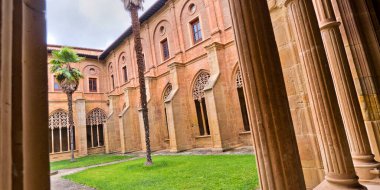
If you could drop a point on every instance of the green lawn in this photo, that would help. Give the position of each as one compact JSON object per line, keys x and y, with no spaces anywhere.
{"x":86,"y":161}
{"x":174,"y":172}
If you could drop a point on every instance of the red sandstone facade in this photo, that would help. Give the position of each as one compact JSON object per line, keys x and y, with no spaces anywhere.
{"x":203,"y":70}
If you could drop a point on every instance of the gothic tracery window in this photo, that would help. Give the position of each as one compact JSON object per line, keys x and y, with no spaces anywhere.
{"x":239,"y":79}
{"x":167,"y":92}
{"x":200,"y":103}
{"x":243,"y":106}
{"x":199,"y":85}
{"x":95,"y":121}
{"x":59,"y":133}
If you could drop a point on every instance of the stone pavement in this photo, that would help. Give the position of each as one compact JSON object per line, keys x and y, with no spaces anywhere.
{"x":58,"y":183}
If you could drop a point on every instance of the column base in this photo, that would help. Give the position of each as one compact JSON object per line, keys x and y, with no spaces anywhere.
{"x":373,"y":129}
{"x":340,"y":184}
{"x":367,"y":171}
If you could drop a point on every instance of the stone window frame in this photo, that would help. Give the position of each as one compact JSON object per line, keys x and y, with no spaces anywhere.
{"x":95,"y":120}
{"x":166,"y":92}
{"x":96,"y":85}
{"x":111,"y":73}
{"x":193,"y":34}
{"x":198,"y":94}
{"x":94,"y":75}
{"x":242,"y":104}
{"x":123,"y":64}
{"x":124,"y":70}
{"x":164,"y":50}
{"x":201,"y":80}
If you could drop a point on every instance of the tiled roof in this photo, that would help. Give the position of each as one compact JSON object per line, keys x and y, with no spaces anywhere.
{"x":84,"y":52}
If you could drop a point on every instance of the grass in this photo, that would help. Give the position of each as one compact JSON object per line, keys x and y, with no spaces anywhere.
{"x":174,"y":172}
{"x":86,"y":161}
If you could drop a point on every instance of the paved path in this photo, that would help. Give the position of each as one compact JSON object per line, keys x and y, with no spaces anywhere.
{"x":58,"y":183}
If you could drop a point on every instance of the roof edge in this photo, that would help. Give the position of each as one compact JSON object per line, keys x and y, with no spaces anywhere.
{"x":144,"y":17}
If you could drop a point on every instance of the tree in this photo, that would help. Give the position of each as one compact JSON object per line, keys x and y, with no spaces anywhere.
{"x":68,"y":78}
{"x":133,"y":6}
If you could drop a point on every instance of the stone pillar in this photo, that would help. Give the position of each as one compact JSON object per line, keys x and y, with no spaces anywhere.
{"x":24,"y":153}
{"x":11,"y":129}
{"x":106,"y":138}
{"x":128,"y":122}
{"x":278,"y":160}
{"x":180,"y":133}
{"x":223,"y":137}
{"x":362,"y":66}
{"x":156,"y":139}
{"x":34,"y":96}
{"x":80,"y":127}
{"x":346,"y":93}
{"x":339,"y":169}
{"x":111,"y":127}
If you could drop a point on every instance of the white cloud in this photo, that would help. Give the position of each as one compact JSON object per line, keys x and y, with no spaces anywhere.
{"x":87,"y":23}
{"x":51,"y":39}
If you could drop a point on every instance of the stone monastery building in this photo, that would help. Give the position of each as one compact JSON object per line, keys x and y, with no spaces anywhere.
{"x":195,"y":88}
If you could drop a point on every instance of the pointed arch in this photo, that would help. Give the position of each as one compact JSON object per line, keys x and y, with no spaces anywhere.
{"x":238,"y":79}
{"x":199,"y":83}
{"x":58,"y":119}
{"x":166,"y":92}
{"x":59,"y":140}
{"x":96,"y":116}
{"x":95,"y":121}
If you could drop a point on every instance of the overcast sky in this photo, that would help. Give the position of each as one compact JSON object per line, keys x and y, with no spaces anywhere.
{"x":87,"y":23}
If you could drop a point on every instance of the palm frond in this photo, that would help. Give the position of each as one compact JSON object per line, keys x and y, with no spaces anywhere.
{"x":66,"y":75}
{"x":129,"y":3}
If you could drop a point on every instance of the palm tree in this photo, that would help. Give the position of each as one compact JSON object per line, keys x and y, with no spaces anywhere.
{"x":133,"y":6}
{"x":68,"y":78}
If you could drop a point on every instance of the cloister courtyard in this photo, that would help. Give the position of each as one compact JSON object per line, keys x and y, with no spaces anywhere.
{"x":197,"y":169}
{"x":190,"y":94}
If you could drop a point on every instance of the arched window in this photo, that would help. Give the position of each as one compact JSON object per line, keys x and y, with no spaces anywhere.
{"x":167,"y":91}
{"x":200,"y":103}
{"x":94,"y":129}
{"x":112,"y":77}
{"x":59,"y":134}
{"x":123,"y":63}
{"x":243,"y":106}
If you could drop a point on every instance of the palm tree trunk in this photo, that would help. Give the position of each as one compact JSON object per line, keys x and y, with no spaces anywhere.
{"x":71,"y":123}
{"x":141,"y":70}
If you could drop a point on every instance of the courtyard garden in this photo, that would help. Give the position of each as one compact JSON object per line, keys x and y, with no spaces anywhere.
{"x":173,"y":172}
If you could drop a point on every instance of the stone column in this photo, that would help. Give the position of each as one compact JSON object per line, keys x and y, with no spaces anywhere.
{"x":10,"y":147}
{"x":345,"y":88}
{"x":277,"y":155}
{"x":363,"y":69}
{"x":339,"y":169}
{"x":80,"y":127}
{"x":34,"y":96}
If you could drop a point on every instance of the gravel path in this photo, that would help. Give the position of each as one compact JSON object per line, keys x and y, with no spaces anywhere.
{"x":58,"y":183}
